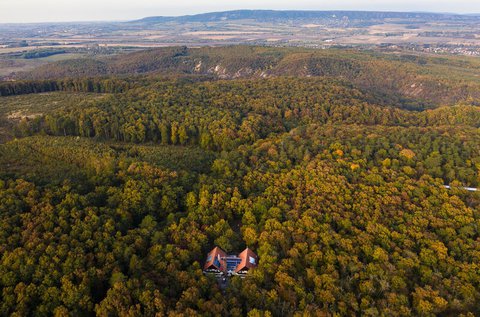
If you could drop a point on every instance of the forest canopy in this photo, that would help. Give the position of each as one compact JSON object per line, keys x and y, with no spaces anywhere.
{"x":115,"y":185}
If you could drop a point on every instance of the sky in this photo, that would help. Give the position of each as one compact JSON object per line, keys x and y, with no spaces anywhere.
{"x":104,"y":10}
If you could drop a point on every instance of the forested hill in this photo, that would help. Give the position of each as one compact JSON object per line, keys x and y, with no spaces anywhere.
{"x":439,"y":80}
{"x":292,"y":15}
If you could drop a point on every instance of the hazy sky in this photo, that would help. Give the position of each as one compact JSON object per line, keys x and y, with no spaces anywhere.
{"x":89,"y":10}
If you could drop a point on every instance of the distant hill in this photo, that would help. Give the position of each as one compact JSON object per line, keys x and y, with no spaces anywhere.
{"x":272,"y":15}
{"x":426,"y":79}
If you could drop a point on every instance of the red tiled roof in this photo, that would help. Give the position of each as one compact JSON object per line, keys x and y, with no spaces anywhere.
{"x":216,"y":254}
{"x":249,"y":260}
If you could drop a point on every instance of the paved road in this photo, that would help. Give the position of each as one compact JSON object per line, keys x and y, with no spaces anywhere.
{"x":470,"y":189}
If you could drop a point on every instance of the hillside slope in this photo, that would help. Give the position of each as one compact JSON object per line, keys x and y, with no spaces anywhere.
{"x":409,"y":79}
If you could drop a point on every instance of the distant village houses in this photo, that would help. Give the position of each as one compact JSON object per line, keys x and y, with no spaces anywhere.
{"x":219,"y":263}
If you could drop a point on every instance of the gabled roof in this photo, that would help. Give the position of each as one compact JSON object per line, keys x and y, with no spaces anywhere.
{"x":216,"y":259}
{"x":249,"y":260}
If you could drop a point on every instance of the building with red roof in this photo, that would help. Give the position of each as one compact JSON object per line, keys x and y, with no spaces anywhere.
{"x":219,"y":263}
{"x":215,"y":262}
{"x":249,"y":260}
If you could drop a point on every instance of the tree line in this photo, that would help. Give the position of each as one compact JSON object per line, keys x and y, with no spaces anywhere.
{"x":95,"y":85}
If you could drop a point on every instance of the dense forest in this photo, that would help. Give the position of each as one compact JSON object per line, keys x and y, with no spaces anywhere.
{"x":116,"y":181}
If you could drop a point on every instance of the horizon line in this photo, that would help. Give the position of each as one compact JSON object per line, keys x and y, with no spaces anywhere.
{"x":223,"y":11}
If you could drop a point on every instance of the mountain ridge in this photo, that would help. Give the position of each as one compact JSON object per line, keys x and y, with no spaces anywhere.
{"x":262,"y":15}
